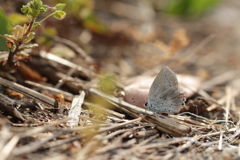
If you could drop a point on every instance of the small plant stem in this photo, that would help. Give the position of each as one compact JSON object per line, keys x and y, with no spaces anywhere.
{"x":10,"y":59}
{"x":30,"y":26}
{"x":47,"y":17}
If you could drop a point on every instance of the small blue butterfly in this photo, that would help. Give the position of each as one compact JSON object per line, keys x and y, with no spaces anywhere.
{"x":164,"y":94}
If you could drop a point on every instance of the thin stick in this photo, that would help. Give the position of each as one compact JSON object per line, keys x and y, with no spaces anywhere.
{"x":220,"y":141}
{"x":228,"y":101}
{"x":67,"y":95}
{"x":27,"y":92}
{"x":5,"y":152}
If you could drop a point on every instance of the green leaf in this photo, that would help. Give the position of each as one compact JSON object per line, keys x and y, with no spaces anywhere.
{"x":59,"y":15}
{"x":34,"y":8}
{"x":60,"y":6}
{"x":25,"y":9}
{"x":35,"y":25}
{"x":44,"y":8}
{"x":189,"y":8}
{"x":5,"y":28}
{"x":36,"y":4}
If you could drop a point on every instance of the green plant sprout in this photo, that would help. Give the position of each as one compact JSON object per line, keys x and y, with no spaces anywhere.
{"x":19,"y":40}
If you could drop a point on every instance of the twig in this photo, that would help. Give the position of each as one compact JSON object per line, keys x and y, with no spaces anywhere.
{"x":69,"y":74}
{"x":220,"y":141}
{"x":27,"y":92}
{"x":8,"y":105}
{"x":167,"y":142}
{"x":188,"y":144}
{"x":114,"y":134}
{"x":5,"y":152}
{"x":61,"y":142}
{"x":146,"y":133}
{"x":218,"y":133}
{"x":68,"y":96}
{"x":146,"y":141}
{"x":221,"y":101}
{"x":117,"y":126}
{"x":116,"y":143}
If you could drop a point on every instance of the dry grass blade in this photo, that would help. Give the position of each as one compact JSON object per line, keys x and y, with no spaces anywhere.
{"x":5,"y":152}
{"x":117,"y":126}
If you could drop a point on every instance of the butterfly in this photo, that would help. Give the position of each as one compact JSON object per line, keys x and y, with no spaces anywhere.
{"x":164,"y":94}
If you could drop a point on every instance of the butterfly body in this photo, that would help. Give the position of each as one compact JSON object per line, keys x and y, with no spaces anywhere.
{"x":164,"y":94}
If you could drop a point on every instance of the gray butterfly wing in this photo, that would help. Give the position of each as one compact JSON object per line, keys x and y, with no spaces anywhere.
{"x":164,"y":95}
